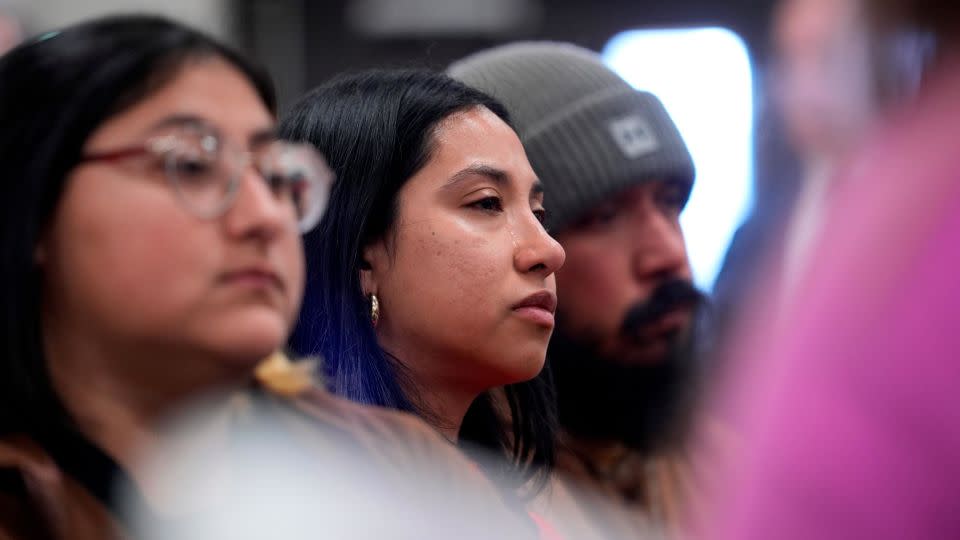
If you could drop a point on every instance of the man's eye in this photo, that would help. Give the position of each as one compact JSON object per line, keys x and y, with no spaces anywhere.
{"x":674,"y":196}
{"x":599,"y":218}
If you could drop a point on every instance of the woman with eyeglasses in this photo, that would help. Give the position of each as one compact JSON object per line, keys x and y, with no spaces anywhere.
{"x":150,"y":256}
{"x":431,"y":282}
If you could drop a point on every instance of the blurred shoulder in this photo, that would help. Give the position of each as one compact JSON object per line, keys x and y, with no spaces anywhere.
{"x":406,"y":460}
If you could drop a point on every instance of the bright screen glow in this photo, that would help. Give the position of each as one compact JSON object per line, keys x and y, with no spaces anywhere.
{"x":703,"y":77}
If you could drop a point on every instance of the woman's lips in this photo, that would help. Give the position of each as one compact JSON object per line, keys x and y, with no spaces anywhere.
{"x":254,"y":278}
{"x":539,"y":308}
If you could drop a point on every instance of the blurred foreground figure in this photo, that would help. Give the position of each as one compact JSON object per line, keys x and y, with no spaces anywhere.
{"x":851,"y":407}
{"x":617,"y":176}
{"x":828,"y":87}
{"x":151,"y":259}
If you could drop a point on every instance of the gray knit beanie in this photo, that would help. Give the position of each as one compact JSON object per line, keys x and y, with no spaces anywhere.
{"x":588,"y":134}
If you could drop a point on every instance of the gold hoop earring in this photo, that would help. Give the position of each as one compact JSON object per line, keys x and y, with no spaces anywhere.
{"x":374,"y":310}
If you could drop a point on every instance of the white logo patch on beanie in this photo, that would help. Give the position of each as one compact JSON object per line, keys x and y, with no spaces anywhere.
{"x":633,"y":135}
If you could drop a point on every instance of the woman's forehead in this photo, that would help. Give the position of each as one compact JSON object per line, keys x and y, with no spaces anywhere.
{"x":210,"y":92}
{"x":477,"y":143}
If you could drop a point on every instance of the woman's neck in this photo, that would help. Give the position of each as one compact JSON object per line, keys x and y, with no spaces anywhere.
{"x":438,"y":394}
{"x":444,"y":406}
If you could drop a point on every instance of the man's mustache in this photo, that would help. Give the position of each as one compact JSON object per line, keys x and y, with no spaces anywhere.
{"x":667,"y":297}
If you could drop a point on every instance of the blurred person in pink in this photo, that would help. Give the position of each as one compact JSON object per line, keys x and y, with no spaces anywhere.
{"x":849,"y":406}
{"x":832,"y":76}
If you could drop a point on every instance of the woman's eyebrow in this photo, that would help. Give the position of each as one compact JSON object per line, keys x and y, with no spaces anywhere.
{"x":263,"y":136}
{"x":183,"y":120}
{"x":259,"y":137}
{"x":498,"y":176}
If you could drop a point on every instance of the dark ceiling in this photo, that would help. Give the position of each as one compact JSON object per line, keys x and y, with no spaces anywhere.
{"x":304,"y":42}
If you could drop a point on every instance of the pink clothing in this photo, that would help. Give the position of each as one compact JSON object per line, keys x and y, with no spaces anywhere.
{"x":854,"y":428}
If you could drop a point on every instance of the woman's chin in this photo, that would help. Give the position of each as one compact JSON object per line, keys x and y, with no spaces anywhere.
{"x":524,"y":368}
{"x":249,"y":340}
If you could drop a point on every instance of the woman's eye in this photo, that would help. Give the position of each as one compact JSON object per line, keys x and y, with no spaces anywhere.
{"x":278,"y":182}
{"x":488,"y":204}
{"x":541,"y":214}
{"x":188,"y":168}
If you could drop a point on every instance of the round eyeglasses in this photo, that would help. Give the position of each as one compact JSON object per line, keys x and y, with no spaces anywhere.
{"x":205,"y":173}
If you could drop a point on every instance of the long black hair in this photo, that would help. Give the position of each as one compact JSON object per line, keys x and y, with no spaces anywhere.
{"x":55,"y":90}
{"x":375,"y":128}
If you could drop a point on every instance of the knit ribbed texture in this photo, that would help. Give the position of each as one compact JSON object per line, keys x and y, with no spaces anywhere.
{"x":588,"y":134}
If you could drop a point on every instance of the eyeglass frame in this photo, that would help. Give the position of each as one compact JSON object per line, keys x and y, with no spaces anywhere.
{"x":161,"y":147}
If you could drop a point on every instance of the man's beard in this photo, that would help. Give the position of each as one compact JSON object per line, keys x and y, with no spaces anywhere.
{"x":645,"y":406}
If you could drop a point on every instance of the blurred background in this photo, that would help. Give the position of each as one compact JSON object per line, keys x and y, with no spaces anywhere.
{"x":708,"y":61}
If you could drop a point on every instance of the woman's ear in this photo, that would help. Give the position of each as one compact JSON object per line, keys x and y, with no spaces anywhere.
{"x":372,"y":265}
